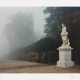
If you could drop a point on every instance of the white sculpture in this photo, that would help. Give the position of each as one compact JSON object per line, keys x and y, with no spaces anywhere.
{"x":65,"y":50}
{"x":64,"y":35}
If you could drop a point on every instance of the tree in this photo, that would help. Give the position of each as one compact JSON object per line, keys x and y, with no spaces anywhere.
{"x":19,"y":30}
{"x":70,"y":16}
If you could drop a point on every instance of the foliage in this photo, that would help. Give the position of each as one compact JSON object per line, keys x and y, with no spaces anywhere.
{"x":70,"y":16}
{"x":19,"y":30}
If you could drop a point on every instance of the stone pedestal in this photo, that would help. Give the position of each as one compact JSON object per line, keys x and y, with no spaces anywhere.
{"x":65,"y":60}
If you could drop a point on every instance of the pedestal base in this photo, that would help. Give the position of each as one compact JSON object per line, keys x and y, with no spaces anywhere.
{"x":65,"y":60}
{"x":65,"y":65}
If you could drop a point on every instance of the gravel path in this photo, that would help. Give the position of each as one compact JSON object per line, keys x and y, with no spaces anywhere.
{"x":45,"y":69}
{"x":31,"y":67}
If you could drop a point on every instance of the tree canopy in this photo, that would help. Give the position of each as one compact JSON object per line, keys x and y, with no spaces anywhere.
{"x":70,"y":16}
{"x":19,"y":30}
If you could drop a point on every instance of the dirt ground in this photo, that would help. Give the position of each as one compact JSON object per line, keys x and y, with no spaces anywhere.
{"x":31,"y":67}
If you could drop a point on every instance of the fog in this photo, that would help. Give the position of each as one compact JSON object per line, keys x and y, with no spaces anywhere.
{"x":20,"y":27}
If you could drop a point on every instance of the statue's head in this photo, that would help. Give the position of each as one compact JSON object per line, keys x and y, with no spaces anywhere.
{"x":63,"y":25}
{"x":64,"y":28}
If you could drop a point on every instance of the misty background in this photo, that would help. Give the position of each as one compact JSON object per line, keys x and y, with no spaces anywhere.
{"x":20,"y":27}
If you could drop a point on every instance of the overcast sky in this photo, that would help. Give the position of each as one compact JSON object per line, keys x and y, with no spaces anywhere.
{"x":7,"y":12}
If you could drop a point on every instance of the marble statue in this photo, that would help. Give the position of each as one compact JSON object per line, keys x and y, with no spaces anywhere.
{"x":64,"y":35}
{"x":65,"y":49}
